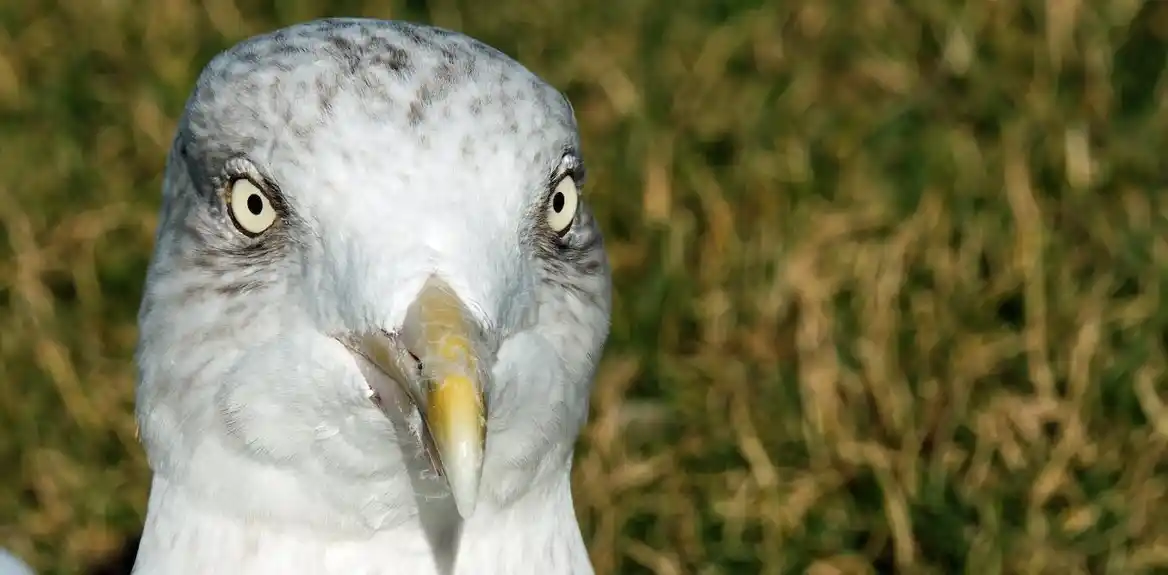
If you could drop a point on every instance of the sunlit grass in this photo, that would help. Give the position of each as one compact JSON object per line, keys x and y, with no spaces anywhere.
{"x":890,"y":275}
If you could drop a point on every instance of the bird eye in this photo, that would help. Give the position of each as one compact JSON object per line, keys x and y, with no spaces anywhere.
{"x":562,"y":206}
{"x":250,"y":209}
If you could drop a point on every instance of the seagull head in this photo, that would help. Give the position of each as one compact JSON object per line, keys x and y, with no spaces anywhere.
{"x":376,"y":282}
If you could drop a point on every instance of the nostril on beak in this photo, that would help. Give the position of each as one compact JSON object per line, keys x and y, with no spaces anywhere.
{"x":418,"y":366}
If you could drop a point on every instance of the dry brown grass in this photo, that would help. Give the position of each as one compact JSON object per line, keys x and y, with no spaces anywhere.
{"x":891,"y":275}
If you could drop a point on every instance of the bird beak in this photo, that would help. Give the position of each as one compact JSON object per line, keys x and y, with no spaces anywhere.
{"x":443,"y":338}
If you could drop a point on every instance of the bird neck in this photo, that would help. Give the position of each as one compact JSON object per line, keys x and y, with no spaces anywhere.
{"x":536,"y":534}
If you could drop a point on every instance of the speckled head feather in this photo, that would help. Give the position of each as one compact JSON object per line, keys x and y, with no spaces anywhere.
{"x":328,"y":182}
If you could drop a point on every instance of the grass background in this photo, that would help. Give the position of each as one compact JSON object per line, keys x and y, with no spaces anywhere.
{"x":890,"y":274}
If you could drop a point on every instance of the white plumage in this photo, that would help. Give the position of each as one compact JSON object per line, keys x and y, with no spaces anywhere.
{"x":13,"y":565}
{"x":373,"y":313}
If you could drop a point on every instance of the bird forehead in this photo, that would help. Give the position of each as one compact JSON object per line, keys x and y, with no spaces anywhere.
{"x":391,"y":87}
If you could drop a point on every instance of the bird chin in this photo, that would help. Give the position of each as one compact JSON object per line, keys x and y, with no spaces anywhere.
{"x":448,"y":422}
{"x":391,"y":390}
{"x":381,"y":390}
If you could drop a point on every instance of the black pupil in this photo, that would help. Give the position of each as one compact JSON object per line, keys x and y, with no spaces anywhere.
{"x":558,"y":202}
{"x":254,"y":204}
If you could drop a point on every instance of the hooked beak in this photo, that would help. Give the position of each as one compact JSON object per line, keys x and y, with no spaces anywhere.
{"x":436,"y":356}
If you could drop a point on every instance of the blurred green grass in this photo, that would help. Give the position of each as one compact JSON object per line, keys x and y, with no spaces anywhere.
{"x":890,"y":275}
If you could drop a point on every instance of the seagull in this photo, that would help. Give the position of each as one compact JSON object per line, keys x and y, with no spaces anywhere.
{"x":373,"y":313}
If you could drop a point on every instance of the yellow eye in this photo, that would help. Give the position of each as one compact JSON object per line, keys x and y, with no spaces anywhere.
{"x":250,"y":209}
{"x":562,"y":206}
